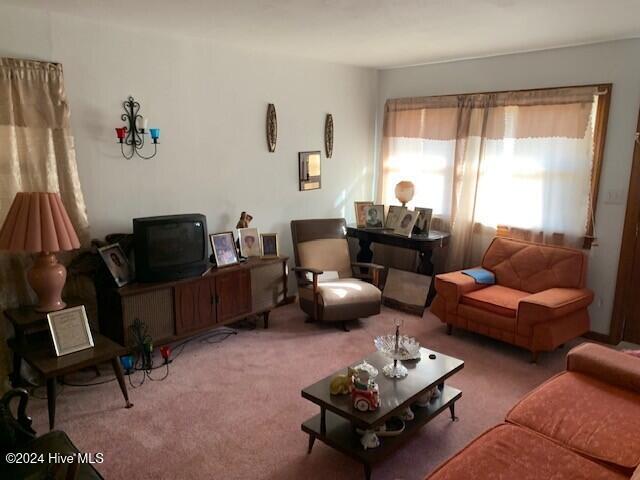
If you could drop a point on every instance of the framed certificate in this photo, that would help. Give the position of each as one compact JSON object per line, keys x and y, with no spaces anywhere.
{"x":70,"y":330}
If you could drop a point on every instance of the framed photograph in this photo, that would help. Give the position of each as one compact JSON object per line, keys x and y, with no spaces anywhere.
{"x":374,"y":217}
{"x":224,"y":248}
{"x":249,"y":242}
{"x":70,"y":330}
{"x":117,"y":263}
{"x":406,"y":223}
{"x":361,"y":213}
{"x":269,"y":244}
{"x":394,"y":215}
{"x":424,"y":219}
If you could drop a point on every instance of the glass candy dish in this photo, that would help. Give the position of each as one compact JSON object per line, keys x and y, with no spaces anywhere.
{"x":407,"y":349}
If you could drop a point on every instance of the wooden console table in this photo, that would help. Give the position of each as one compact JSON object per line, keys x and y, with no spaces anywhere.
{"x":179,"y":309}
{"x":424,"y":244}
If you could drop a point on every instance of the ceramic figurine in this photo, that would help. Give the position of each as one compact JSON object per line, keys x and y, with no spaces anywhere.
{"x":370,"y":440}
{"x":425,"y":399}
{"x":342,"y":384}
{"x":407,"y":414}
{"x":245,"y":220}
{"x":364,"y":394}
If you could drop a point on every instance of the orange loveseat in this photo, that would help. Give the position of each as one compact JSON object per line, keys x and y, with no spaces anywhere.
{"x":539,"y":300}
{"x":581,"y":424}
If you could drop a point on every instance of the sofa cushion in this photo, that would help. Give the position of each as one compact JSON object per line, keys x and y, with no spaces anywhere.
{"x":345,"y":299}
{"x":510,"y":452}
{"x":496,"y":298}
{"x":533,"y":267}
{"x":585,"y":414}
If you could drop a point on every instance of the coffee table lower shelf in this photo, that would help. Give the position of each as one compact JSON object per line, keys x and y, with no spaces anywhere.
{"x":340,"y":434}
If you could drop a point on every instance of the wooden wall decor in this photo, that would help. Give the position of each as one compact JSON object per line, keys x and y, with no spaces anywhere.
{"x":328,"y":135}
{"x":272,"y":127}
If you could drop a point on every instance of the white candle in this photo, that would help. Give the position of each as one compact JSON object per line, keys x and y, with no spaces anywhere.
{"x":145,"y":124}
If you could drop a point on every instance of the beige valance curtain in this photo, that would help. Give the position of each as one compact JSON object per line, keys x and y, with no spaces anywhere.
{"x":36,"y":154}
{"x":448,"y":117}
{"x":461,"y":145}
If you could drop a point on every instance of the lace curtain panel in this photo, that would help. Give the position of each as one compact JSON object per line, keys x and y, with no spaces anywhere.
{"x":36,"y":154}
{"x":494,"y":163}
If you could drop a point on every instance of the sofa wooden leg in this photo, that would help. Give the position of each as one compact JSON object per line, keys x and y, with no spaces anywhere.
{"x":534,"y":357}
{"x":344,"y":326}
{"x":449,"y":329}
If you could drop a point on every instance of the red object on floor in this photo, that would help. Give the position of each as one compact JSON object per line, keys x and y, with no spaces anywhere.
{"x":165,"y":351}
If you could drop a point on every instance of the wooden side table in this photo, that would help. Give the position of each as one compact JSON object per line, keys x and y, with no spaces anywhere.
{"x":26,"y":322}
{"x":40,"y":355}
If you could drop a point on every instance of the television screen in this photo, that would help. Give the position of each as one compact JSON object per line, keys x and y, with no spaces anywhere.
{"x":175,"y":243}
{"x":170,"y":247}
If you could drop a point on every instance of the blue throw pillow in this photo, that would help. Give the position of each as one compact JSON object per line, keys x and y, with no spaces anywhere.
{"x":481,"y":276}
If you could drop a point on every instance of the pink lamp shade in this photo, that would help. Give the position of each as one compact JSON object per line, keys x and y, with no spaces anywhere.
{"x":37,"y":222}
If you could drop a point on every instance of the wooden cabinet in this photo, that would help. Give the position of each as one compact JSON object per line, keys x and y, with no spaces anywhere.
{"x":178,"y":309}
{"x":233,"y":294}
{"x":195,"y":305}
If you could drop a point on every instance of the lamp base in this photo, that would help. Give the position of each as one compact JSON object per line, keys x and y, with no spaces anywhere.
{"x":47,"y":278}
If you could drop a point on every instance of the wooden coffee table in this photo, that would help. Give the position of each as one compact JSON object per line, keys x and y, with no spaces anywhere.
{"x":335,"y":424}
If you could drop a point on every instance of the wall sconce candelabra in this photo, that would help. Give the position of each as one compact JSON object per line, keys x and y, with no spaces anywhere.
{"x":133,"y":133}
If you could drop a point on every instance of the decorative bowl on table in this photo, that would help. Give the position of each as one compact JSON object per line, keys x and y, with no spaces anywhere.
{"x":408,"y":349}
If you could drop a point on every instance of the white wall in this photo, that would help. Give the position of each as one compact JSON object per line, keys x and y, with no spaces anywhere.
{"x":614,"y":62}
{"x":210,"y":103}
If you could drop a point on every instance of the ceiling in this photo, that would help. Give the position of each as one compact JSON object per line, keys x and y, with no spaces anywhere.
{"x":372,"y":33}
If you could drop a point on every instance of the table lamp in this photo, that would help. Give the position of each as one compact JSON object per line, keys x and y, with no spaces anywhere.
{"x":37,"y":222}
{"x":404,"y":191}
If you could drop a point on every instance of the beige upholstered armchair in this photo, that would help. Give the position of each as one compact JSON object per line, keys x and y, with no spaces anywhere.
{"x":328,"y":288}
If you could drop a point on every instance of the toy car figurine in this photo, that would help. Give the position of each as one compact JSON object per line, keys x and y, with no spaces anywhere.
{"x":364,"y":393}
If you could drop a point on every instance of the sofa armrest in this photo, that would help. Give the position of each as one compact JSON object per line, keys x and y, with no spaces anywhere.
{"x":455,"y":284}
{"x":549,"y":304}
{"x":605,"y":364}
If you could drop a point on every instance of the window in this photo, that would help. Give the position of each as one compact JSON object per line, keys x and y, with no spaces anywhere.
{"x":525,"y":161}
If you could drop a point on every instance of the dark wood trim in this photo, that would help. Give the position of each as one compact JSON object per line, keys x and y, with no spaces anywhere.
{"x":621,"y":303}
{"x":599,"y":138}
{"x":598,"y":337}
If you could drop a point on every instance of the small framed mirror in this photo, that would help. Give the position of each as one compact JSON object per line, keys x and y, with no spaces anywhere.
{"x":309,"y":170}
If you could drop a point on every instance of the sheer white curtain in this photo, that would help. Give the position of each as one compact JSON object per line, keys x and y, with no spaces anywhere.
{"x":483,"y":162}
{"x":424,"y":162}
{"x":536,"y":184}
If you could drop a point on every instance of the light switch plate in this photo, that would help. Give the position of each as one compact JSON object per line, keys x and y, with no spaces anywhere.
{"x":614,"y":197}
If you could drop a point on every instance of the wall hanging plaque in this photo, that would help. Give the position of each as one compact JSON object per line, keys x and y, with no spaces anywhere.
{"x":328,"y":135}
{"x":272,"y":127}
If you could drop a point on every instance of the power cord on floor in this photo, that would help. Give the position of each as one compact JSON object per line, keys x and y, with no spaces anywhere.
{"x":144,"y":359}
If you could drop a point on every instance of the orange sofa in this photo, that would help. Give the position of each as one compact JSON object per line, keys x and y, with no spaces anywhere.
{"x":539,"y":300}
{"x":581,"y":424}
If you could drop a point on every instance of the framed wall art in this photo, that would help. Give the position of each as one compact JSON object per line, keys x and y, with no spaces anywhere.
{"x":309,"y":170}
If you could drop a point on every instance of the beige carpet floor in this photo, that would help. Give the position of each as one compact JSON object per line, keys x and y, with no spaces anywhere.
{"x":232,"y":410}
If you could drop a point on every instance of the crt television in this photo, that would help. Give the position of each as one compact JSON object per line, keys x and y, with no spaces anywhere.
{"x":170,"y":247}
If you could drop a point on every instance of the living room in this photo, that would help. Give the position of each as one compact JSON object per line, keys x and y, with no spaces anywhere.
{"x":306,"y":131}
